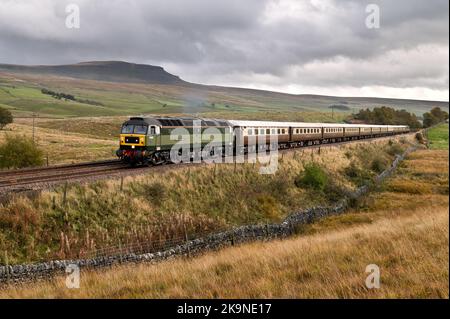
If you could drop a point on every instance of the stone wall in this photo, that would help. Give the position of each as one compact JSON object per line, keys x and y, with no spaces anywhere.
{"x":243,"y":234}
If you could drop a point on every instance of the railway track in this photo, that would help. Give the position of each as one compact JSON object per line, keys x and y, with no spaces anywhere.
{"x":46,"y":177}
{"x":27,"y":179}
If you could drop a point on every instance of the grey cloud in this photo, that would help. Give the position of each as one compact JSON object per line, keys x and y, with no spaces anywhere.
{"x":203,"y":39}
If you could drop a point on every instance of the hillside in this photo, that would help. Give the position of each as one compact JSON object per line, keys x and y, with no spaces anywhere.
{"x":396,"y":228}
{"x":120,"y":88}
{"x":112,"y":71}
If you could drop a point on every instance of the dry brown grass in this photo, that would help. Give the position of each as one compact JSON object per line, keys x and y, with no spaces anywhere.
{"x":63,"y":146}
{"x":412,"y":253}
{"x":405,"y":233}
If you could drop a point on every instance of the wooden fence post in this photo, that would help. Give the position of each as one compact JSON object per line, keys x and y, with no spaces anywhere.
{"x":186,"y":238}
{"x":65,"y":193}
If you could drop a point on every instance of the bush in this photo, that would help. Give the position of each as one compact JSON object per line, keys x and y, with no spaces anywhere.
{"x":334,"y":192}
{"x":435,"y":116}
{"x":5,"y":117}
{"x":313,"y":176}
{"x":358,"y":175}
{"x":156,"y":192}
{"x":420,"y":138}
{"x":20,"y":152}
{"x":394,"y":149}
{"x":378,"y":165}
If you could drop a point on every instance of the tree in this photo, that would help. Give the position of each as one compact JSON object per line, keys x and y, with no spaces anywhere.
{"x":5,"y":117}
{"x":388,"y":116}
{"x":19,"y":152}
{"x":435,"y":116}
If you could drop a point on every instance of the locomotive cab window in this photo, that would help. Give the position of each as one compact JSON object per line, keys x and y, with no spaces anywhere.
{"x":127,"y":129}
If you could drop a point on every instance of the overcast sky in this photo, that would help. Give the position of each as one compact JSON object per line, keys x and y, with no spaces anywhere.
{"x":294,"y":46}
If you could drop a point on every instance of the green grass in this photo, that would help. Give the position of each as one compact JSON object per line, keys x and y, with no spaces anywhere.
{"x":24,"y":97}
{"x":438,"y":137}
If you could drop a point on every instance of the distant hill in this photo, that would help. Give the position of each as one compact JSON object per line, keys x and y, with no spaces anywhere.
{"x":121,"y":88}
{"x":114,"y":71}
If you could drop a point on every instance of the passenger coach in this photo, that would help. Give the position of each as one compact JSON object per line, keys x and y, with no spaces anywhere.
{"x":149,"y":140}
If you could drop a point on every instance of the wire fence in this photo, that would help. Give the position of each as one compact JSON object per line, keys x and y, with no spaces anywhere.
{"x":151,"y":246}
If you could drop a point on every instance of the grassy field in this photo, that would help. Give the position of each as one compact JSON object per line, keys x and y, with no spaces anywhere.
{"x":67,"y":143}
{"x":438,"y":137}
{"x":402,"y":227}
{"x":21,"y":93}
{"x":158,"y":205}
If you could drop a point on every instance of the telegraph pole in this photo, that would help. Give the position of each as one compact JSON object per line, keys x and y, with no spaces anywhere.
{"x":34,"y":117}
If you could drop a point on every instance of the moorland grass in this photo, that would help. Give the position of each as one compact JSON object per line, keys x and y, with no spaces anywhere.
{"x":404,"y":233}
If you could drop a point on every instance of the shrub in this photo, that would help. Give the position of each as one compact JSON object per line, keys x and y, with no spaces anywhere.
{"x":358,"y":175}
{"x":268,"y":206}
{"x":313,"y":176}
{"x":19,"y":152}
{"x":156,"y":192}
{"x":420,"y":138}
{"x":394,"y":149}
{"x":334,"y":192}
{"x":5,"y":117}
{"x":378,"y":165}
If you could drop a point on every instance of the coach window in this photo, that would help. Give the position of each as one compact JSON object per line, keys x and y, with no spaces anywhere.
{"x":268,"y":131}
{"x":261,"y":131}
{"x":274,"y":131}
{"x":250,"y":131}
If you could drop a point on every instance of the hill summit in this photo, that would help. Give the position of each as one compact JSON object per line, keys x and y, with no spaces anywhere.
{"x":112,"y":71}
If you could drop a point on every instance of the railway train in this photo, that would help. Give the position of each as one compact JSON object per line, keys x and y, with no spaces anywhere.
{"x":149,"y":140}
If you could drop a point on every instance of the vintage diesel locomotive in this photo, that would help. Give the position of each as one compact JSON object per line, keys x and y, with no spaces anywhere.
{"x":149,"y":140}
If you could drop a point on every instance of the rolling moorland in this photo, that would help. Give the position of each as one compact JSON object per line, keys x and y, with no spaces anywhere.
{"x":412,"y":205}
{"x":118,"y":88}
{"x":402,"y":226}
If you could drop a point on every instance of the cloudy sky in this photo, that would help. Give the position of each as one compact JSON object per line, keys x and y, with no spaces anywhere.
{"x":295,"y":46}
